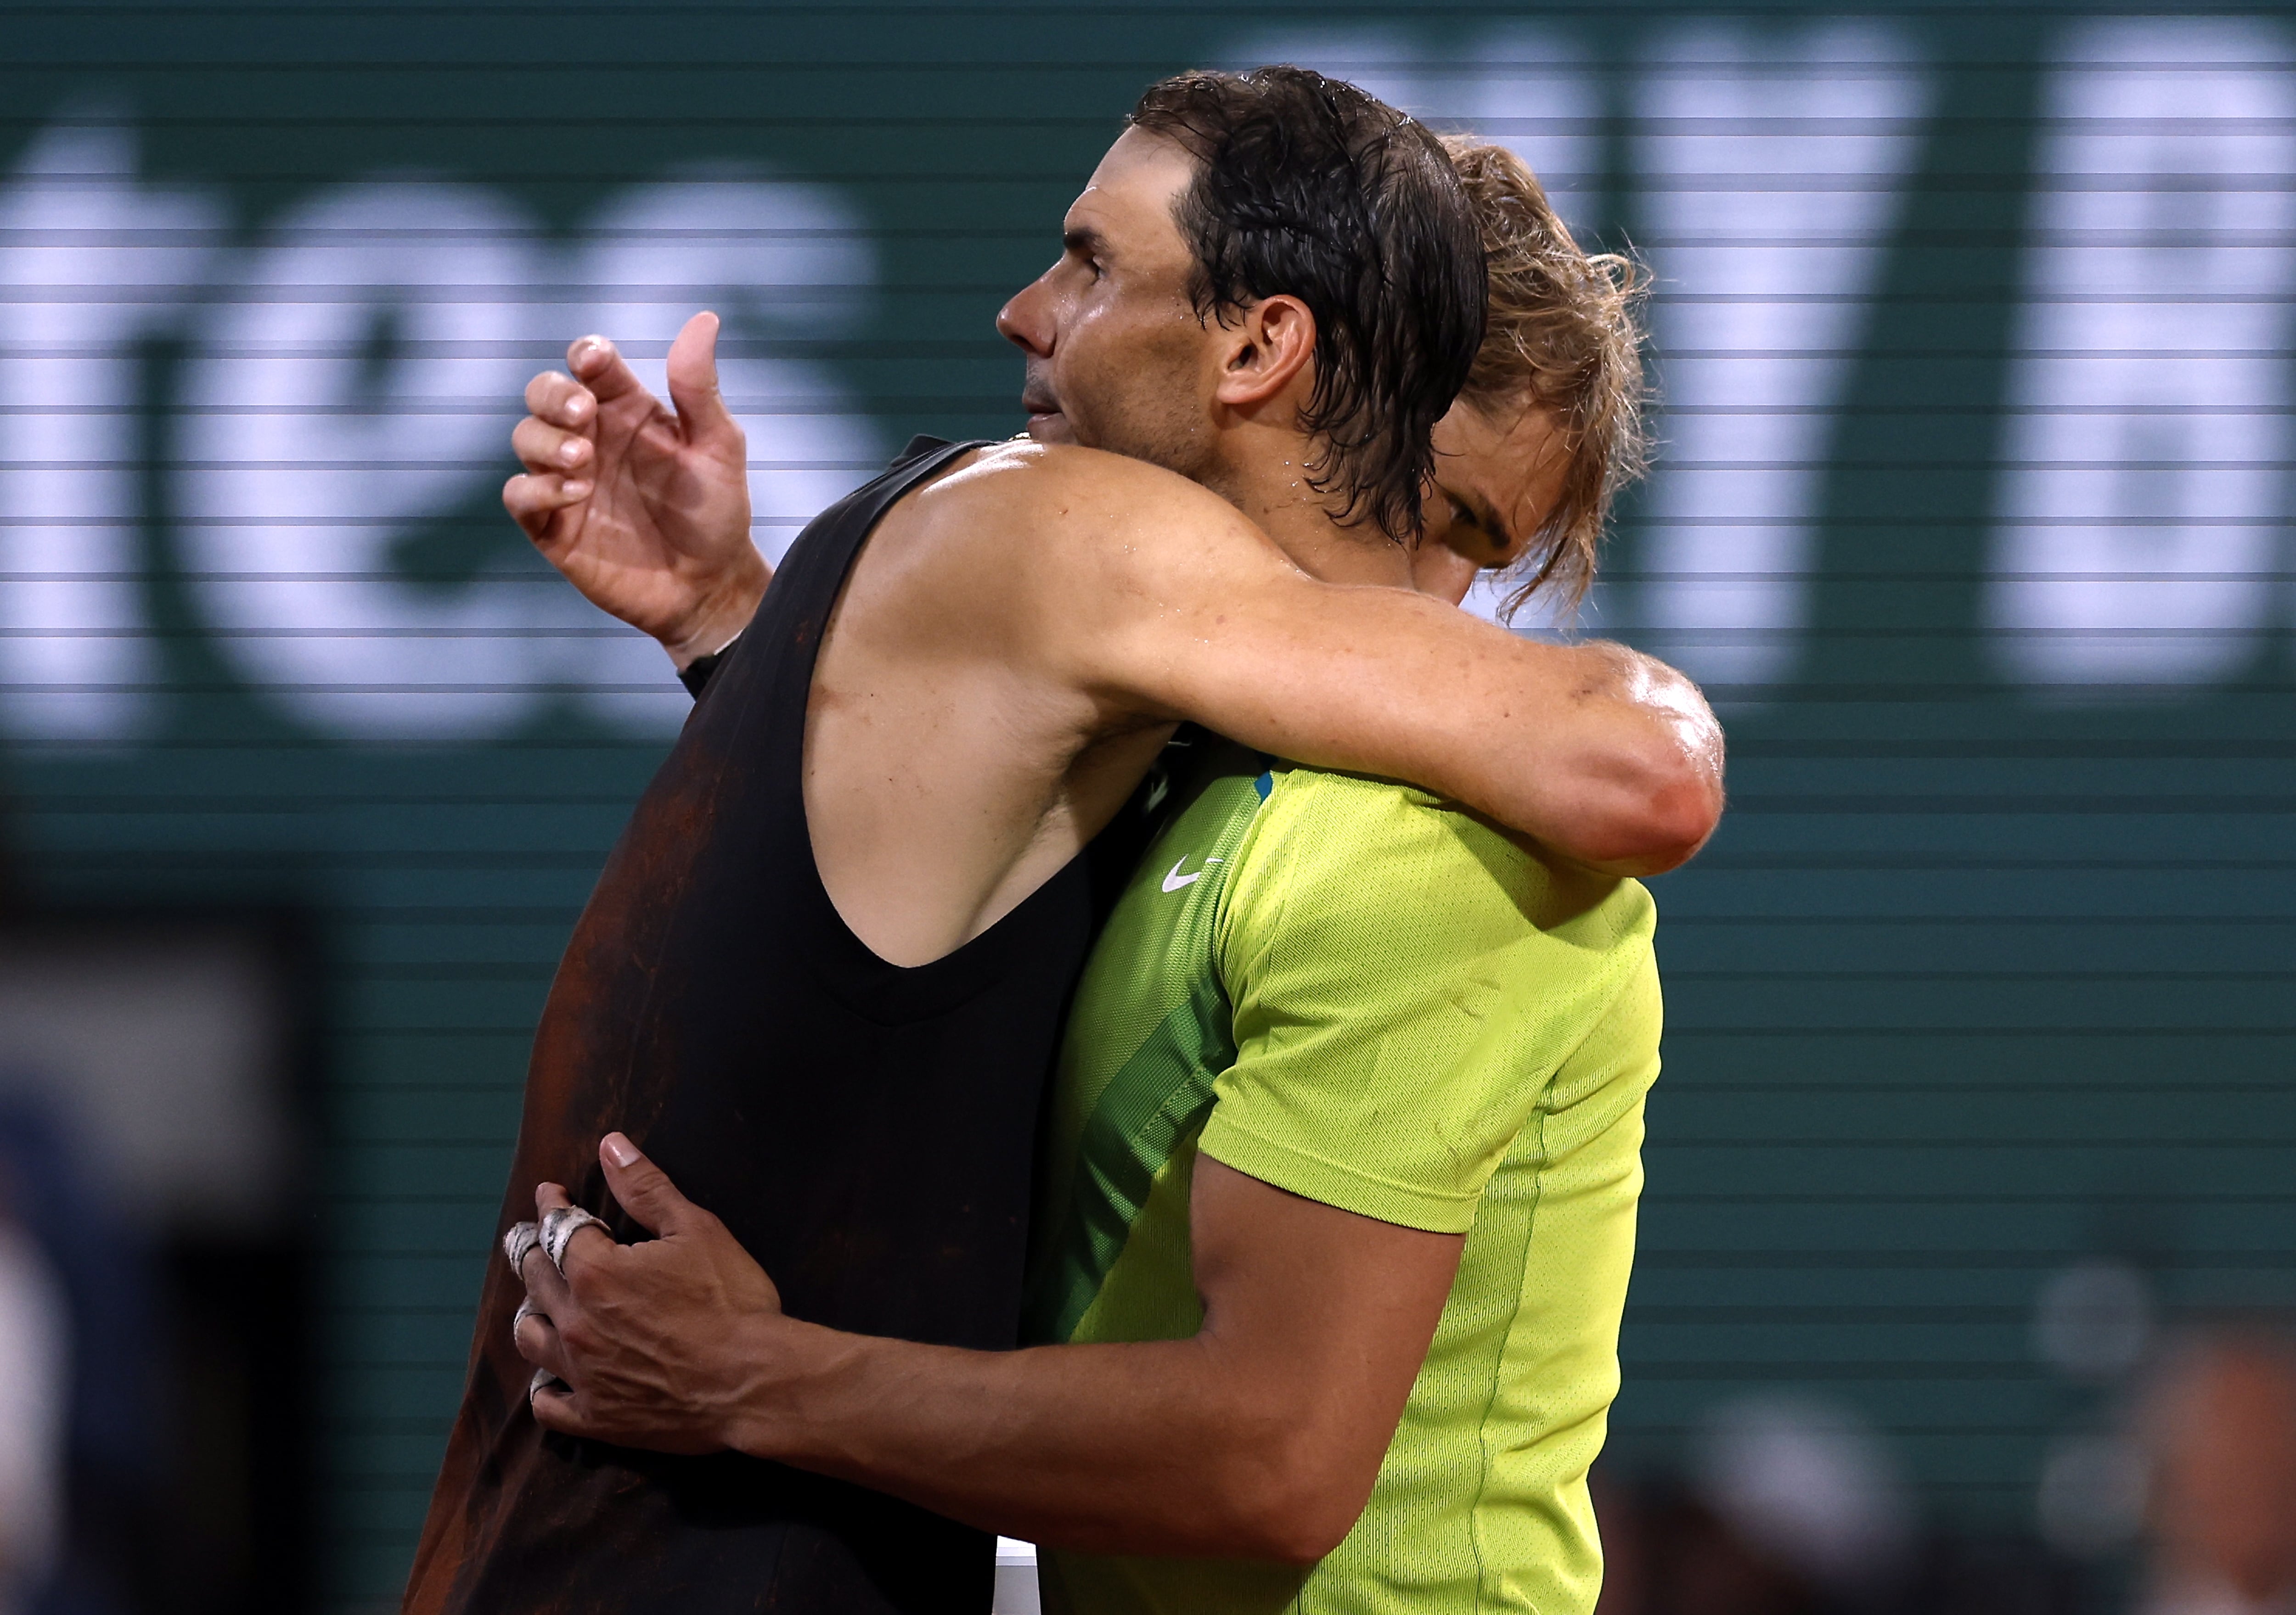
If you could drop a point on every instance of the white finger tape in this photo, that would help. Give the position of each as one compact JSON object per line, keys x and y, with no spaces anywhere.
{"x":561,"y":1225}
{"x":518,"y":1245}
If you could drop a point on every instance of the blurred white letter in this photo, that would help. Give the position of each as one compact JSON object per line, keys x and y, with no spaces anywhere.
{"x":365,"y":381}
{"x":90,"y":263}
{"x":1775,"y":165}
{"x":2142,"y":497}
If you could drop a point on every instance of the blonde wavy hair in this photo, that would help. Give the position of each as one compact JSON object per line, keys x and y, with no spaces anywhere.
{"x":1564,"y":335}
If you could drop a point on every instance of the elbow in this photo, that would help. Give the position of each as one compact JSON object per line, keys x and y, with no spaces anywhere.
{"x":1307,"y":1528}
{"x":1294,"y":1506}
{"x":1664,"y":794}
{"x":1659,"y":825}
{"x":1646,"y":792}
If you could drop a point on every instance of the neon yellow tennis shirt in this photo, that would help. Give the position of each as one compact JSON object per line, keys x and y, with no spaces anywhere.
{"x":1355,"y":992}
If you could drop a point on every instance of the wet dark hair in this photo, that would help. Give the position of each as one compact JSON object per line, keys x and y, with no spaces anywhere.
{"x":1309,"y":187}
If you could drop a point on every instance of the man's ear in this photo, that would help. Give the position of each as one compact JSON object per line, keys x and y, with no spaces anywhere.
{"x":1271,"y":345}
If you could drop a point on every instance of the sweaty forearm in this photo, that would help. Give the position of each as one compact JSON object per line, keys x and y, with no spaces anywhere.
{"x":1157,"y":1447}
{"x":1601,"y":755}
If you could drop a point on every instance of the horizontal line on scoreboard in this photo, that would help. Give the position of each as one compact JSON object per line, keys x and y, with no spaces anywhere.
{"x":2085,"y":1084}
{"x":1947,"y":1260}
{"x":2082,"y":1194}
{"x":1657,"y":126}
{"x":1964,"y":1144}
{"x":1849,"y":862}
{"x":1340,"y":56}
{"x":846,"y":11}
{"x":1647,"y":1372}
{"x":1931,"y":1033}
{"x":2019,"y":1312}
{"x":1988,"y":921}
{"x":1791,"y":976}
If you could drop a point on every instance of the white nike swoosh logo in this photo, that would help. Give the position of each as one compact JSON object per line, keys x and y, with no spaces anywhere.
{"x":1174,"y":879}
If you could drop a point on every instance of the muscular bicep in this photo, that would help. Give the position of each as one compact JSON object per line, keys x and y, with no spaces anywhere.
{"x":1325,"y":1315}
{"x":1144,"y":598}
{"x":1588,"y":749}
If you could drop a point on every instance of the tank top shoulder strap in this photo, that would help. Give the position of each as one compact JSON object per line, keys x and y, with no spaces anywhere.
{"x":805,"y":586}
{"x":771,"y":664}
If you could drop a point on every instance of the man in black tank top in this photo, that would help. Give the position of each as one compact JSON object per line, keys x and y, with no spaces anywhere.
{"x":864,"y":1128}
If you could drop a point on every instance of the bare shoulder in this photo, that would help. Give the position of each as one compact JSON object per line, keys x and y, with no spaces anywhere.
{"x":1024,"y":471}
{"x":1074,"y":507}
{"x":1095,"y":571}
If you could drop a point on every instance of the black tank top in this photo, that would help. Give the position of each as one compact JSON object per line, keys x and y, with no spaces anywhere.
{"x":865,"y":1130}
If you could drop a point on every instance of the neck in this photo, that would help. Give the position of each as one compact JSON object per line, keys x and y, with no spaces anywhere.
{"x":1300,"y":519}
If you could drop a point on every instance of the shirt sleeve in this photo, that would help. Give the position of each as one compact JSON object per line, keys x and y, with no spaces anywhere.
{"x":1405,"y":982}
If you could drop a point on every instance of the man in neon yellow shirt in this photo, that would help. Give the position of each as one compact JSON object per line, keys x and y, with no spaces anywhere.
{"x":1324,"y":1003}
{"x":1351,"y":991}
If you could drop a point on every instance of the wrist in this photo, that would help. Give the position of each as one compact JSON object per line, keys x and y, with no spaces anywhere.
{"x":783,"y":1411}
{"x":725,"y":610}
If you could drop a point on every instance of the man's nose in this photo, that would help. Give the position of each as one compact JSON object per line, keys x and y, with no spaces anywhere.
{"x":1025,"y":320}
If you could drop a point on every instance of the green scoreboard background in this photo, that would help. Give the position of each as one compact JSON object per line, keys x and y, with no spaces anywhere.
{"x":1973,"y":337}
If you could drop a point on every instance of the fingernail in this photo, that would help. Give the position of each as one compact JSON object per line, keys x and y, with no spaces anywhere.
{"x":572,"y":451}
{"x":619,"y":1149}
{"x":578,"y":489}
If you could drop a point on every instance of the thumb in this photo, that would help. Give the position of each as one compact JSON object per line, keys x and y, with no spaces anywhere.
{"x":701,"y":409}
{"x":643,"y":1190}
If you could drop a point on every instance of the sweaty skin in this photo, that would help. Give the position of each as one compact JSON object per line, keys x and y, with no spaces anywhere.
{"x":1042,"y":614}
{"x":1017,"y":635}
{"x":1259,"y":1438}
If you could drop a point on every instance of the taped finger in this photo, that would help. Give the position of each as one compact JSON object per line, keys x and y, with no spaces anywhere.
{"x":561,"y":1225}
{"x":518,"y":1245}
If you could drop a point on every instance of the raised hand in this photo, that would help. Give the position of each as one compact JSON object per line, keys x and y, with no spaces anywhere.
{"x":645,"y":509}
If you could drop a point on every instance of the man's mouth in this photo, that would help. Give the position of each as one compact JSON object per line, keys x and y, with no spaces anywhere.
{"x":1046,"y":424}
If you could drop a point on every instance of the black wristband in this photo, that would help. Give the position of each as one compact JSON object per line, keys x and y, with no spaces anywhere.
{"x":696,"y":673}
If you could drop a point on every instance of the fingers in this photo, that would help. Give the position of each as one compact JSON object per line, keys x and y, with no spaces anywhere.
{"x":570,"y":1236}
{"x":702,"y":413}
{"x":569,"y":1413}
{"x":557,"y":397}
{"x":538,"y":1341}
{"x":554,"y":1408}
{"x":552,"y":443}
{"x":600,"y":366}
{"x":545,"y":1287}
{"x":533,"y":501}
{"x":644,"y":1191}
{"x":542,"y":448}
